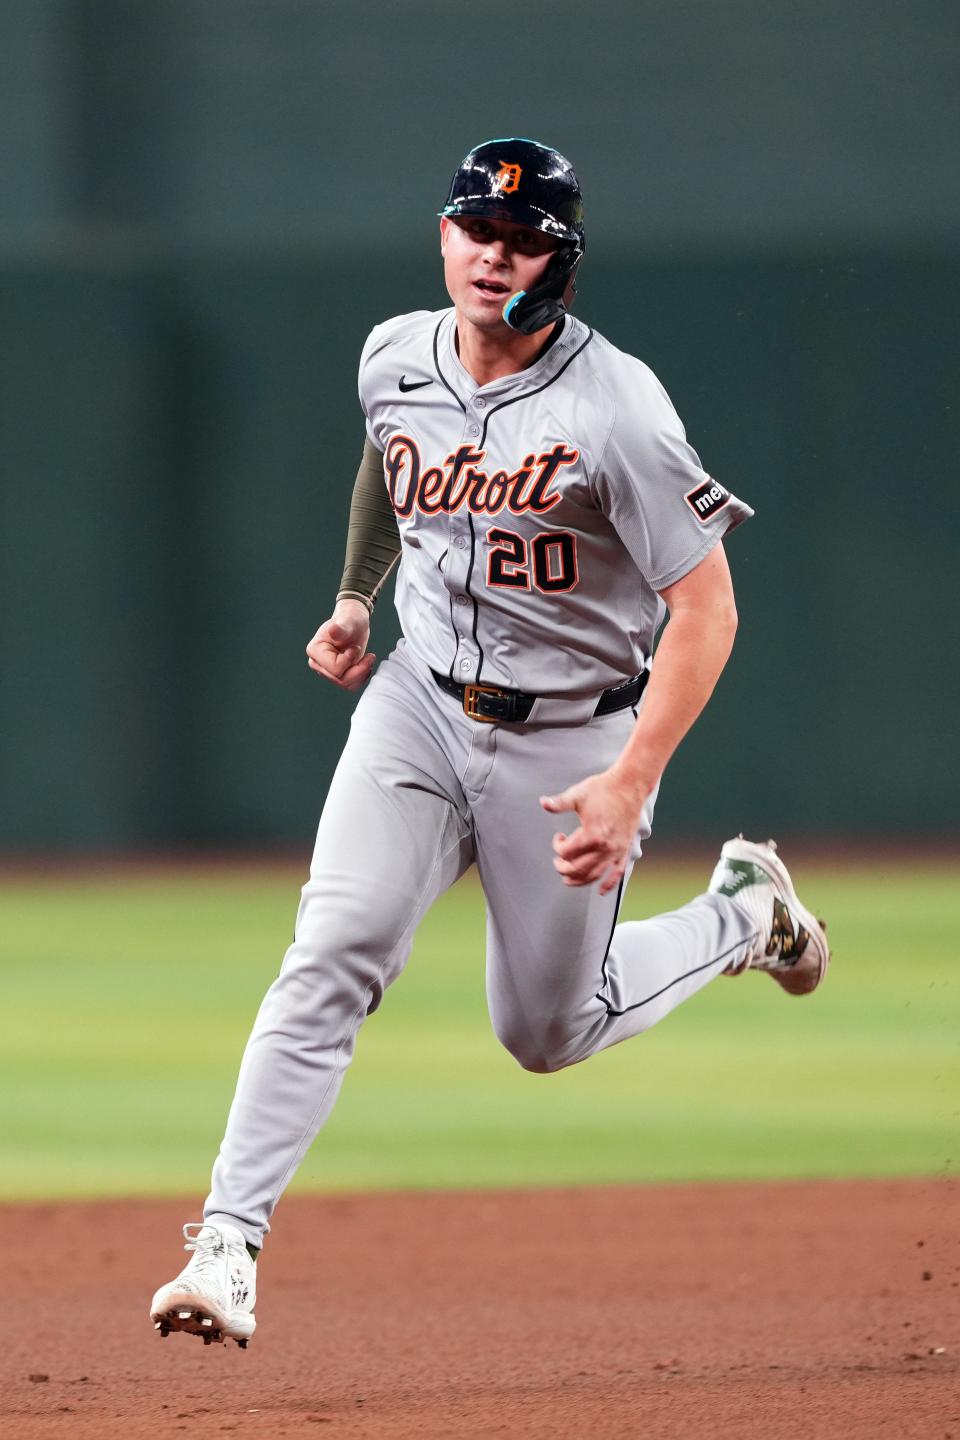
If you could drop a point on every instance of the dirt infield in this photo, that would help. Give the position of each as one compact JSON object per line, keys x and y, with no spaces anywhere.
{"x":801,"y":1310}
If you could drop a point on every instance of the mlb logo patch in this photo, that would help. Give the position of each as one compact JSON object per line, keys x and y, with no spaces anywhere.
{"x":707,"y":499}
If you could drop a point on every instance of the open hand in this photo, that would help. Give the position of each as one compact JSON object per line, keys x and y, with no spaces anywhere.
{"x":609,"y":811}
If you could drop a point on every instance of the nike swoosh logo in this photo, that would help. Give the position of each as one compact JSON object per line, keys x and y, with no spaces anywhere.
{"x":406,"y":384}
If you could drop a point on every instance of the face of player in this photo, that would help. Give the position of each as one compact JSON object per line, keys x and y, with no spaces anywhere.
{"x":486,"y":261}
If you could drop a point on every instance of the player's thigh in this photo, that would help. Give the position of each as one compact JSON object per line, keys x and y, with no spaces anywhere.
{"x":546,"y":940}
{"x":395,"y":830}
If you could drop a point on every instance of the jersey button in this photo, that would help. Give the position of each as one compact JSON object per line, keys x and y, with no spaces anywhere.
{"x":461,"y":599}
{"x":464,"y":664}
{"x":473,"y":429}
{"x":480,"y":404}
{"x":460,"y":543}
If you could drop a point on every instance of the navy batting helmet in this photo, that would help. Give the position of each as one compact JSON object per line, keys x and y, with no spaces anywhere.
{"x":529,"y":184}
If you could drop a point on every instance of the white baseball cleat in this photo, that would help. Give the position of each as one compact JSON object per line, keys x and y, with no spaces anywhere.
{"x":215,"y":1295}
{"x":791,"y":942}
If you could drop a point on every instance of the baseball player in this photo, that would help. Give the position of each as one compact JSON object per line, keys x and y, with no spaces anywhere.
{"x":547,"y":510}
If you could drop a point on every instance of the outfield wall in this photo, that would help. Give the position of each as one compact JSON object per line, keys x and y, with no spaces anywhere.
{"x":205,"y":205}
{"x":179,"y":447}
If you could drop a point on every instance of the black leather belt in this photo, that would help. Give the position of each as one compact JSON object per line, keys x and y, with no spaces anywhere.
{"x":491,"y":704}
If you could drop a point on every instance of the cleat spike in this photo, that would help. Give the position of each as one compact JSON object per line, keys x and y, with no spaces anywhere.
{"x":219,"y":1280}
{"x":242,"y":1344}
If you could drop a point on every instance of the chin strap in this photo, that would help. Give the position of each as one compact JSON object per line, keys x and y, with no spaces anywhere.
{"x":530,"y":310}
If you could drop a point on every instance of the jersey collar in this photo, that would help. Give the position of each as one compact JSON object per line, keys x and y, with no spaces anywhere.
{"x":462,"y":383}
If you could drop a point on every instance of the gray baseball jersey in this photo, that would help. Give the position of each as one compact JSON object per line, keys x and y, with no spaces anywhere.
{"x":541,"y":513}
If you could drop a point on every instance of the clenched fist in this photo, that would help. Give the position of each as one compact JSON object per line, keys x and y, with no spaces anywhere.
{"x":338,"y":650}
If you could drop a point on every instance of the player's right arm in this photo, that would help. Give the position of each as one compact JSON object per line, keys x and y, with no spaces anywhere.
{"x":338,"y":651}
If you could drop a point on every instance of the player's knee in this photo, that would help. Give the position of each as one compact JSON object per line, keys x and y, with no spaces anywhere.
{"x":327,"y":969}
{"x":340,"y":934}
{"x":540,"y":1063}
{"x":540,"y":1054}
{"x":532,"y":1062}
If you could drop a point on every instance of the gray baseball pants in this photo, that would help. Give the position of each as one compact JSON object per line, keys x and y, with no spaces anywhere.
{"x":421,"y":793}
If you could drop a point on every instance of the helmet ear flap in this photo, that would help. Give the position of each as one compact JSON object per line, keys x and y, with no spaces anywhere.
{"x":531,"y":310}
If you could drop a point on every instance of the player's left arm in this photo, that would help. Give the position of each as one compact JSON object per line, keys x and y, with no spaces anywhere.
{"x":693,"y":649}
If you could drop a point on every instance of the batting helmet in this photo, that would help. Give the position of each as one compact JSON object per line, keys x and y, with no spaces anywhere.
{"x":528,"y":184}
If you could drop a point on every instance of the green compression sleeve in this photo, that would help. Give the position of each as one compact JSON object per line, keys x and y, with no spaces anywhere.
{"x":373,"y":539}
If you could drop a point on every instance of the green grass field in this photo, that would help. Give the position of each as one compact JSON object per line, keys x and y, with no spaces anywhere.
{"x":126,"y":1003}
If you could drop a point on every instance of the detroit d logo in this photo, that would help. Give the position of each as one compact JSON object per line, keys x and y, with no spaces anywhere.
{"x":508,"y":178}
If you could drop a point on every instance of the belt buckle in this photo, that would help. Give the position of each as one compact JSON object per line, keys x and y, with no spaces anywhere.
{"x":471,"y":694}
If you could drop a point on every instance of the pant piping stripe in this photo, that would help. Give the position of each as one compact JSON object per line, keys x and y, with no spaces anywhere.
{"x":616,"y":916}
{"x":658,"y":993}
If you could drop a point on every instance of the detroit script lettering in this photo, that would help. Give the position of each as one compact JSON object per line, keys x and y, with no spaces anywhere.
{"x":460,"y":481}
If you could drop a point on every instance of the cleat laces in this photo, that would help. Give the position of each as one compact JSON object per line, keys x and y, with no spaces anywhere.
{"x":208,"y":1246}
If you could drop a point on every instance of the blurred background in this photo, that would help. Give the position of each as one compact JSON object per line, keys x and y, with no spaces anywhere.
{"x":204,"y":207}
{"x":206,"y":204}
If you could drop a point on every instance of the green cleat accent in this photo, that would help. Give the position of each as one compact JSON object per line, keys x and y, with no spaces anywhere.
{"x":738,"y":874}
